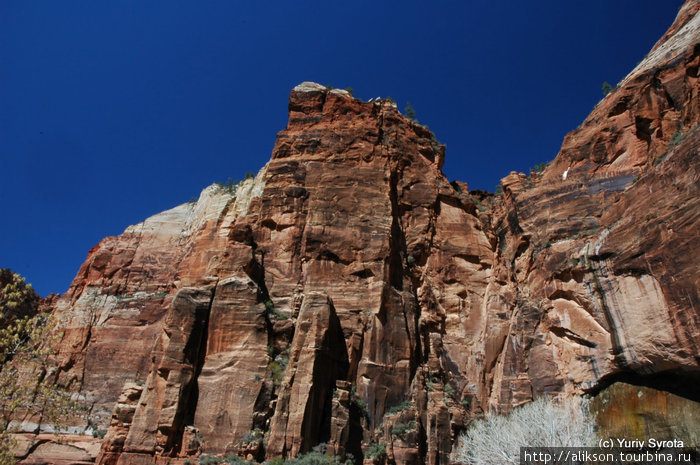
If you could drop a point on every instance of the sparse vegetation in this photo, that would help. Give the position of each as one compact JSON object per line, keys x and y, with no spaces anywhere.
{"x":467,"y":403}
{"x":588,"y":232}
{"x":231,"y":459}
{"x":607,"y":88}
{"x":252,"y":436}
{"x":678,"y":137}
{"x":410,"y":260}
{"x":539,"y":168}
{"x":660,"y":158}
{"x":273,"y":312}
{"x":318,"y":456}
{"x":277,"y":367}
{"x":409,"y":111}
{"x":230,"y":186}
{"x":356,"y":400}
{"x":497,"y":439}
{"x":400,"y":429}
{"x":405,"y":405}
{"x":376,"y":450}
{"x":350,"y":91}
{"x":27,"y":382}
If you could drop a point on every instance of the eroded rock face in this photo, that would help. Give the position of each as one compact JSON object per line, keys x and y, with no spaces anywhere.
{"x":350,"y":294}
{"x":627,"y":411}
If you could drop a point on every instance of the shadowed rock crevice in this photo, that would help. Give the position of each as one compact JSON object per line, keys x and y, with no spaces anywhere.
{"x":317,"y":360}
{"x":158,"y":421}
{"x":195,"y":351}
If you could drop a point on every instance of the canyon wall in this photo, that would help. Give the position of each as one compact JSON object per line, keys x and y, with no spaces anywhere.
{"x":349,"y":294}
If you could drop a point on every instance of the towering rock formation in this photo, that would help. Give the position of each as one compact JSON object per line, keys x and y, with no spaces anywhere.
{"x":349,"y":294}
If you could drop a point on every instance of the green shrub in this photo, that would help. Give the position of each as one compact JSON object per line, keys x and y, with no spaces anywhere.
{"x":467,"y":403}
{"x":272,"y":312}
{"x":405,"y":405}
{"x":660,"y":159}
{"x":358,"y":402}
{"x":400,"y":429}
{"x":277,"y":367}
{"x":252,"y":435}
{"x":236,"y":460}
{"x":539,"y":168}
{"x":230,"y":459}
{"x":607,"y":88}
{"x":210,"y":460}
{"x":677,"y":138}
{"x":230,"y":186}
{"x":277,"y":371}
{"x":409,"y":111}
{"x":317,"y":456}
{"x":376,"y":450}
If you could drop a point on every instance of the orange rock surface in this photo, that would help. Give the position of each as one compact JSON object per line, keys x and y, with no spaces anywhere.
{"x":349,"y":294}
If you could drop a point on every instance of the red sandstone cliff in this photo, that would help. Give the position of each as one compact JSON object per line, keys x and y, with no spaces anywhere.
{"x":350,"y":277}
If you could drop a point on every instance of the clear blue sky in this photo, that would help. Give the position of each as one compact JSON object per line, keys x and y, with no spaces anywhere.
{"x":112,"y":111}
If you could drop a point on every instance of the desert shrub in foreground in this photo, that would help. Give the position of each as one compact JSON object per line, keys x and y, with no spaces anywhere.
{"x":497,"y":439}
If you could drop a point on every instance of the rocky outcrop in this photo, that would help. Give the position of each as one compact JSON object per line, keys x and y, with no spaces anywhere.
{"x":350,"y":295}
{"x":625,"y":410}
{"x":317,"y":359}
